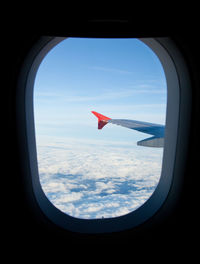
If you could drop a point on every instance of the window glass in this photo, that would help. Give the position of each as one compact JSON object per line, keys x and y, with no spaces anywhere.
{"x":86,"y":172}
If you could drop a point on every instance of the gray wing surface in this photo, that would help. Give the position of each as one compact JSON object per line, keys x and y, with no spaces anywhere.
{"x":157,"y":131}
{"x":145,"y":127}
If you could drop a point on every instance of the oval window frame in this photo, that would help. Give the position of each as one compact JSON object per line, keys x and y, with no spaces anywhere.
{"x":176,"y":138}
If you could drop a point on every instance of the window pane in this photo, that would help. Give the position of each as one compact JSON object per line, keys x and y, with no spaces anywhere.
{"x":90,"y":173}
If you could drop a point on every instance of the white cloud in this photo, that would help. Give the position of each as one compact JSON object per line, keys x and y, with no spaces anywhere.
{"x":68,"y":197}
{"x":105,"y":95}
{"x":93,"y":181}
{"x":112,"y":70}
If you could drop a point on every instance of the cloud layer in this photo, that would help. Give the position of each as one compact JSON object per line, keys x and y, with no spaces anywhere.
{"x":95,"y":180}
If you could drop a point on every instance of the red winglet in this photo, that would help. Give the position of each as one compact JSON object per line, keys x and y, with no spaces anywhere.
{"x":102,"y":120}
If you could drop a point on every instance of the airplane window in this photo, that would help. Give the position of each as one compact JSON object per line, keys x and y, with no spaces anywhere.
{"x":100,"y":110}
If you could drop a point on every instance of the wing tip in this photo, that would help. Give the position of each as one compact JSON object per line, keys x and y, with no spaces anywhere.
{"x":102,"y":120}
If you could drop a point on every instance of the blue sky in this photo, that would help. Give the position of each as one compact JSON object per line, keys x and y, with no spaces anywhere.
{"x":120,"y":78}
{"x":86,"y":172}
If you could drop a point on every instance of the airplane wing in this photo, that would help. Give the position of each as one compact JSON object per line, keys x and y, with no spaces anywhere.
{"x":155,"y":130}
